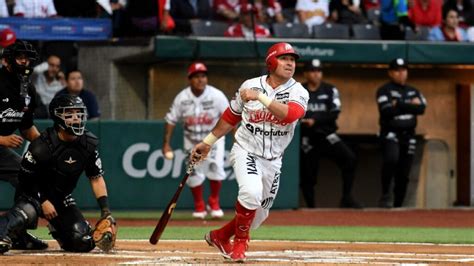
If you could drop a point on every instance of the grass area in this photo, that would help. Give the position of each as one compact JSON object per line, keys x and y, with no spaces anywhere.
{"x":315,"y":233}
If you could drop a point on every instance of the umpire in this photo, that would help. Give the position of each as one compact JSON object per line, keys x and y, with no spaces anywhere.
{"x":17,"y":104}
{"x":399,"y":105}
{"x":319,"y":138}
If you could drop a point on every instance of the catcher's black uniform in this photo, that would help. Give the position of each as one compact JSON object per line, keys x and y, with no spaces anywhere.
{"x":50,"y":170}
{"x":324,"y":106}
{"x":398,"y":119}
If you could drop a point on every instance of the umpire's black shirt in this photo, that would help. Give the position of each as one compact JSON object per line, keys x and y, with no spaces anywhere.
{"x":324,"y":106}
{"x":16,"y":111}
{"x":397,"y":113}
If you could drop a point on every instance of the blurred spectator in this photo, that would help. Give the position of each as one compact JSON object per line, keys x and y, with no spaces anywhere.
{"x":10,"y":6}
{"x":3,"y":9}
{"x":449,"y":31}
{"x":48,"y":80}
{"x":227,"y":9}
{"x":464,"y":10}
{"x":75,"y":86}
{"x":268,"y":11}
{"x":183,"y":11}
{"x":426,"y":13}
{"x":150,"y":16}
{"x":345,"y":12}
{"x":470,"y":34}
{"x":312,"y":12}
{"x":7,"y":37}
{"x":244,"y":27}
{"x":394,"y":19}
{"x":288,"y":4}
{"x":76,"y":8}
{"x":369,"y":4}
{"x":34,"y":8}
{"x":118,"y":16}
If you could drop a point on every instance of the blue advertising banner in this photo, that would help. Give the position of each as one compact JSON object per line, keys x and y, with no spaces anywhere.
{"x":47,"y":29}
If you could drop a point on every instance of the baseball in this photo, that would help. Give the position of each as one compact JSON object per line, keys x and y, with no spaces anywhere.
{"x":169,"y":155}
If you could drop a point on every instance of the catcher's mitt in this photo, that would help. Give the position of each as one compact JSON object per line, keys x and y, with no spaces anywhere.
{"x":105,"y":233}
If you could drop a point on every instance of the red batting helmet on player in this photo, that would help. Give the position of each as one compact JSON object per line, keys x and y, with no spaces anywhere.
{"x":195,"y":68}
{"x":275,"y":51}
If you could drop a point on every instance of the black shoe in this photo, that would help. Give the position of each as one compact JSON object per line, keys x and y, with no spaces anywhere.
{"x":385,"y":202}
{"x":5,"y":244}
{"x":29,"y":242}
{"x":350,"y":203}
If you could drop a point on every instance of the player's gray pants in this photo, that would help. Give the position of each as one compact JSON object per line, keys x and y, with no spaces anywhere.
{"x":9,"y":165}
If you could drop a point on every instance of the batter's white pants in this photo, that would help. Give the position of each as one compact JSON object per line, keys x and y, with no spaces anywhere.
{"x":258,"y":181}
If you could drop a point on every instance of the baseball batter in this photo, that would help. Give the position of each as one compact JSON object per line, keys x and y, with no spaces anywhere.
{"x":268,"y":108}
{"x":199,"y":107}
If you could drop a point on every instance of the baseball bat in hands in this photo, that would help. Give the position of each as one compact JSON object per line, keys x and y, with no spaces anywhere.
{"x":166,"y":215}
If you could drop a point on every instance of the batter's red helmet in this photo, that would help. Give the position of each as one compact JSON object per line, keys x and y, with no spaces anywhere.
{"x":275,"y":51}
{"x":7,"y":37}
{"x":195,"y":68}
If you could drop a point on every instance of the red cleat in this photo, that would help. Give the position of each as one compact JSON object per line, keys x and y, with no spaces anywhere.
{"x":224,"y":246}
{"x":238,"y":251}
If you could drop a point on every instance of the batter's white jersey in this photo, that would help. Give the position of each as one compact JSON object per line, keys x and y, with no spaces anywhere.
{"x":261,"y":133}
{"x":198,"y":114}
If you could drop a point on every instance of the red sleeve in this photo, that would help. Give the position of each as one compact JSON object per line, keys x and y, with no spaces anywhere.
{"x":295,"y":112}
{"x":230,"y":117}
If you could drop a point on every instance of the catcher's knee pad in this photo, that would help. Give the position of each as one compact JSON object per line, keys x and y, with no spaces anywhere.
{"x":79,"y":239}
{"x":28,"y":210}
{"x":19,"y":218}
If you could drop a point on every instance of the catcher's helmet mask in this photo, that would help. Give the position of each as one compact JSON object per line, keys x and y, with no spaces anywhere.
{"x":69,"y":113}
{"x":17,"y":50}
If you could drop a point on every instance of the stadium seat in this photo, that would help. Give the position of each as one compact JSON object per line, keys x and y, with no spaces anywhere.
{"x":421,"y":35}
{"x":290,"y":30}
{"x":208,"y":28}
{"x":331,"y":31}
{"x":365,"y":32}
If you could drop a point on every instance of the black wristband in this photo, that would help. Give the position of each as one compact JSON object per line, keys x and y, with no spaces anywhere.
{"x":103,"y":203}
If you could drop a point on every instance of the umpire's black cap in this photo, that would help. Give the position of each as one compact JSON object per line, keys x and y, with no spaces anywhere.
{"x":398,"y":63}
{"x":313,"y":65}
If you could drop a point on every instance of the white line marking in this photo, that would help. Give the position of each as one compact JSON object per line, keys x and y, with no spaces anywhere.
{"x":318,"y":242}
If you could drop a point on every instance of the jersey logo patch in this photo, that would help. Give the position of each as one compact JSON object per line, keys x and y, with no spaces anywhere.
{"x":70,"y":160}
{"x":29,"y":157}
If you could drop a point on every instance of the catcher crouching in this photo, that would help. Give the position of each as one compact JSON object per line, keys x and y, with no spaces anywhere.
{"x":50,"y":170}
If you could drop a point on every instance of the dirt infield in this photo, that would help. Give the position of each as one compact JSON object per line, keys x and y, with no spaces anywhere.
{"x":260,"y":252}
{"x":282,"y":252}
